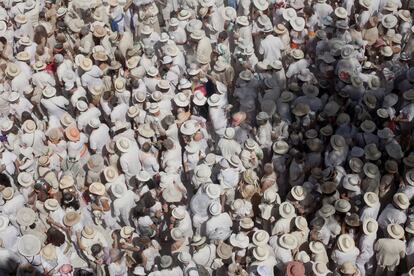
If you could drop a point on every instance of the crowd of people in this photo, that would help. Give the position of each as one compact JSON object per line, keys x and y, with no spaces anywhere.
{"x":206,"y":137}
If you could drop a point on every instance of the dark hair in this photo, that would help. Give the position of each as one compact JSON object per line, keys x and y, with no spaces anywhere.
{"x":82,"y":272}
{"x":4,"y":180}
{"x":26,"y":116}
{"x":138,"y":211}
{"x":55,"y":236}
{"x":135,"y":83}
{"x":39,"y":33}
{"x":148,"y":200}
{"x":119,"y":57}
{"x":69,"y":200}
{"x":168,"y":144}
{"x":151,"y":184}
{"x":223,"y":36}
{"x":96,"y":249}
{"x":146,"y":147}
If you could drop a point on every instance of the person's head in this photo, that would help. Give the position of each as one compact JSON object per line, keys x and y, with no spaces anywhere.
{"x":115,"y":254}
{"x":26,"y":269}
{"x":268,"y":168}
{"x":222,"y":36}
{"x":55,"y":236}
{"x":96,"y":249}
{"x":83,"y":272}
{"x":139,"y":210}
{"x":299,"y":157}
{"x":146,"y":147}
{"x":168,"y":144}
{"x":145,"y":241}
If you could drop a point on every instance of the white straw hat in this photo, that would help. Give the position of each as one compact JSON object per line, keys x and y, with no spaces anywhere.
{"x":401,"y":200}
{"x":345,"y":243}
{"x":370,"y":226}
{"x":29,"y":245}
{"x":395,"y":231}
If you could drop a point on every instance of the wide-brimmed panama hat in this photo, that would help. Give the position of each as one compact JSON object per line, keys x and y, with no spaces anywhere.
{"x":29,"y":245}
{"x":260,"y":237}
{"x":97,"y":188}
{"x":370,"y":226}
{"x":25,"y":216}
{"x":71,"y":218}
{"x":371,"y":199}
{"x":395,"y":231}
{"x":288,"y":241}
{"x":240,"y":240}
{"x":401,"y":200}
{"x":286,"y":210}
{"x":260,"y":253}
{"x":88,"y":232}
{"x":345,"y":243}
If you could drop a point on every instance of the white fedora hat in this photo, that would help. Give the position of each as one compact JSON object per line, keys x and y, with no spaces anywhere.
{"x":199,"y":99}
{"x":286,"y":210}
{"x":298,"y":193}
{"x":280,"y":147}
{"x":29,"y":245}
{"x":342,"y":205}
{"x":261,"y":5}
{"x":178,"y":213}
{"x":371,"y":199}
{"x":51,"y":204}
{"x":213,"y":190}
{"x":25,"y":179}
{"x":337,"y":142}
{"x":401,"y":200}
{"x":371,"y":170}
{"x":118,"y":190}
{"x":341,"y":13}
{"x":143,"y":176}
{"x":289,"y":14}
{"x":260,"y":237}
{"x":260,"y":253}
{"x":409,"y":177}
{"x":97,"y":188}
{"x":123,"y":144}
{"x":4,"y":222}
{"x":317,"y":247}
{"x":320,"y":269}
{"x":240,"y":240}
{"x":189,"y":127}
{"x":214,"y":208}
{"x":288,"y":241}
{"x":298,"y":24}
{"x":395,"y":231}
{"x":127,"y":231}
{"x":345,"y":243}
{"x":370,"y":226}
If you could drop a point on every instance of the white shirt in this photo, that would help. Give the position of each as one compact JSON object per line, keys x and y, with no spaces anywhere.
{"x":85,"y":117}
{"x":130,"y":164}
{"x":205,"y":255}
{"x":366,"y":245}
{"x":8,"y":158}
{"x":282,"y":255}
{"x":340,"y":257}
{"x":13,"y":205}
{"x":219,"y":227}
{"x":99,"y":138}
{"x":228,"y":147}
{"x":391,"y":215}
{"x":370,"y":212}
{"x":270,"y":48}
{"x":122,"y":206}
{"x":9,"y":237}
